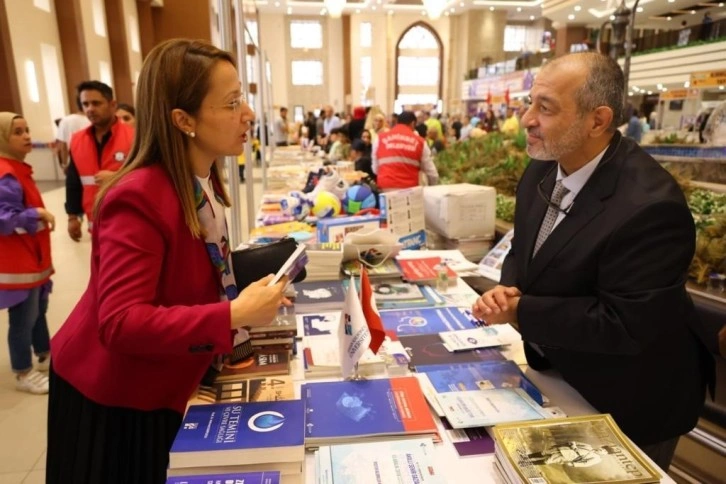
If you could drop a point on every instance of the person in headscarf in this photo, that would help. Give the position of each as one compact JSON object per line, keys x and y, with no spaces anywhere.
{"x":466,"y":130}
{"x":25,"y":260}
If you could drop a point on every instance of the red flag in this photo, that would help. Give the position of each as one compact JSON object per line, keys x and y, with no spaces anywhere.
{"x":373,"y":319}
{"x":506,"y":97}
{"x":489,"y":98}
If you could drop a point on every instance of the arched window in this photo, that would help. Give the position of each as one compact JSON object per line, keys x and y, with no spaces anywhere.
{"x":419,"y":63}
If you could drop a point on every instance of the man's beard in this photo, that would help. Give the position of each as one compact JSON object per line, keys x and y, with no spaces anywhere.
{"x":554,"y":149}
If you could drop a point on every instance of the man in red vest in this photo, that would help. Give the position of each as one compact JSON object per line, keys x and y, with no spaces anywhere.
{"x":399,"y":154}
{"x":96,"y":153}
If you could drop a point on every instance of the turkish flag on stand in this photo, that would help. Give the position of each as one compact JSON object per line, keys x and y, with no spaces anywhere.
{"x":373,"y":319}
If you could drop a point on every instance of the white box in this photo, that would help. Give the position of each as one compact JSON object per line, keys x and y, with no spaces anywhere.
{"x":461,"y":210}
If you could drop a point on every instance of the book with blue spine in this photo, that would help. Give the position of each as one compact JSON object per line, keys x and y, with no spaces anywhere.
{"x":346,"y":411}
{"x":240,"y":434}
{"x":427,"y":320}
{"x":479,"y":376}
{"x":236,"y":478}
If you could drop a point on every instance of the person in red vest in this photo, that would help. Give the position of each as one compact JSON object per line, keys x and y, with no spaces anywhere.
{"x":399,"y":154}
{"x":96,"y":153}
{"x":25,"y":262}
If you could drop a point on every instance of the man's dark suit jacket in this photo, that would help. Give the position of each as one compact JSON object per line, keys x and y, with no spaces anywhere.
{"x":605,"y":299}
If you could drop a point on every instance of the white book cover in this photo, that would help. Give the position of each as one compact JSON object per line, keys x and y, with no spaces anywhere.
{"x":491,"y":265}
{"x":483,"y":408}
{"x":388,"y":462}
{"x":482,"y":337}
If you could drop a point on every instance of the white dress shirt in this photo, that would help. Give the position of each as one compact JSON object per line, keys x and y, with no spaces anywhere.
{"x":575,"y":182}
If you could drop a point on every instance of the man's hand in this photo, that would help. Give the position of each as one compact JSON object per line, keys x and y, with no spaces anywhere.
{"x":498,"y":305}
{"x":102,"y":176}
{"x":74,"y":228}
{"x":46,"y":217}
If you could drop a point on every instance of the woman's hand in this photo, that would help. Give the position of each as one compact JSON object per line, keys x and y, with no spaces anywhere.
{"x":258,"y":304}
{"x":46,"y":217}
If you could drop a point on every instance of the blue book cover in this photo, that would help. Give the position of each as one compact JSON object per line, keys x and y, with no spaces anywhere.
{"x":236,"y":478}
{"x":241,"y":426}
{"x":428,"y":349}
{"x":343,"y":410}
{"x":326,"y":323}
{"x":427,"y":320}
{"x":479,"y":376}
{"x":319,"y":295}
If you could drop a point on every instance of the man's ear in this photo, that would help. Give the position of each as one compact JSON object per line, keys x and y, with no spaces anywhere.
{"x":601,"y":120}
{"x":182,"y":121}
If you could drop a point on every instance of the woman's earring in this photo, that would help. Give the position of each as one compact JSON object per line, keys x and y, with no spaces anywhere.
{"x":191,"y":134}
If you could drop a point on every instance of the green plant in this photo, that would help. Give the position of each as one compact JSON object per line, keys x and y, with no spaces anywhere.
{"x":494,"y":160}
{"x":505,"y":208}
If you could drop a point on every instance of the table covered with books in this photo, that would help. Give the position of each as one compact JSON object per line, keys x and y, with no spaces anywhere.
{"x":425,"y":403}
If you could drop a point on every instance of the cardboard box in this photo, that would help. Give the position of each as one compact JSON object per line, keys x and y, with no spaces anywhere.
{"x":402,"y":215}
{"x":335,"y":229}
{"x":460,"y":211}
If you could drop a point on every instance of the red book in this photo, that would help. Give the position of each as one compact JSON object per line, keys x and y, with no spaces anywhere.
{"x":423,"y":270}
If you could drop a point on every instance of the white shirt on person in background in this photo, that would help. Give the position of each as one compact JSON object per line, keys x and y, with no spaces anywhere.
{"x":69,"y":125}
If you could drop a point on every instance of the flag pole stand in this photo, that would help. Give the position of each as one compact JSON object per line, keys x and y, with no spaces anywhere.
{"x":356,"y":375}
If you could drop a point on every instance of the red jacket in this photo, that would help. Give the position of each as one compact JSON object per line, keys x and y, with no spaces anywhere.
{"x":399,"y":158}
{"x":85,"y":157}
{"x":25,"y":260}
{"x":151,"y":319}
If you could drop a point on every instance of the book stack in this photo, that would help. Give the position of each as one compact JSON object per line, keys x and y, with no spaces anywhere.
{"x":569,"y":450}
{"x":401,"y":461}
{"x":265,"y":389}
{"x":385,"y":270}
{"x":280,"y":334}
{"x":241,"y":437}
{"x":261,"y":364}
{"x":356,"y":411}
{"x":424,"y":270}
{"x":324,"y":261}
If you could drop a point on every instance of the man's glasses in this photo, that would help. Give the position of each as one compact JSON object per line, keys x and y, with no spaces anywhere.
{"x":547,"y":200}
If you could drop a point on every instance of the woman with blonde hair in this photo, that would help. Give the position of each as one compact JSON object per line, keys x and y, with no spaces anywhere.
{"x":162,"y":300}
{"x":25,"y":261}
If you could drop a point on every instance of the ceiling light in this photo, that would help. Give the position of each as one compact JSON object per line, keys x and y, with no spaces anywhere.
{"x":390,"y":12}
{"x":659,"y":86}
{"x":277,"y":4}
{"x":612,"y":17}
{"x":630,"y":94}
{"x":722,"y":87}
{"x":373,"y":7}
{"x":639,"y":9}
{"x":571,"y":17}
{"x":289,"y":10}
{"x":378,"y":2}
{"x":687,"y":84}
{"x":531,"y":17}
{"x":671,"y":1}
{"x":446,"y":14}
{"x":452,"y":10}
{"x":693,"y":12}
{"x":669,"y":18}
{"x":577,"y":8}
{"x":335,"y":7}
{"x":650,"y":92}
{"x":519,"y":9}
{"x":491,"y":9}
{"x":357,"y":10}
{"x":461,"y":4}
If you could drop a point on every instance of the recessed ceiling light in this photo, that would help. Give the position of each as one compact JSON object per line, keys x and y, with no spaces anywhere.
{"x":373,"y":7}
{"x":378,"y":2}
{"x":277,"y":4}
{"x":630,"y":94}
{"x":452,"y":10}
{"x":671,"y":1}
{"x":289,"y":10}
{"x":721,"y":88}
{"x":571,"y":17}
{"x":669,"y":18}
{"x":461,"y":4}
{"x":639,"y":9}
{"x":577,"y":8}
{"x":531,"y":17}
{"x":357,"y":10}
{"x":519,"y":9}
{"x":323,"y":11}
{"x":612,"y":17}
{"x":446,"y":14}
{"x":687,"y":84}
{"x":491,"y":9}
{"x":693,"y":12}
{"x":650,"y":92}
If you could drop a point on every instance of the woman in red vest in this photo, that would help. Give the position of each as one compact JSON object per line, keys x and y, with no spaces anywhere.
{"x":25,"y":263}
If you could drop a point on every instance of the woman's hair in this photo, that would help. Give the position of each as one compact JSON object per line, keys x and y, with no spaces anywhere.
{"x":126,"y":107}
{"x":175,"y":75}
